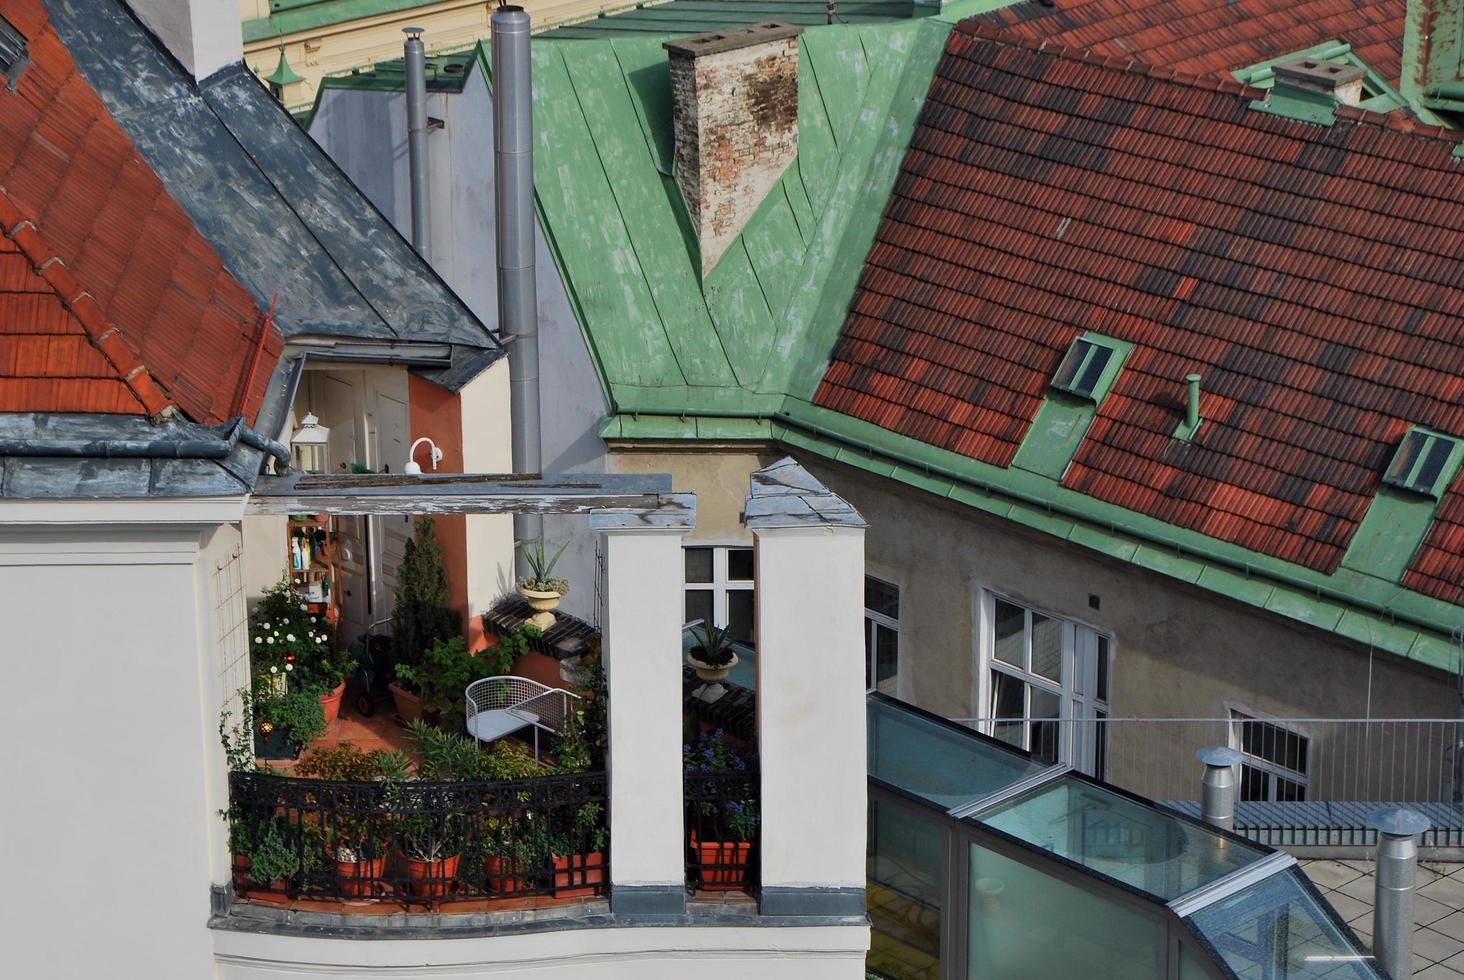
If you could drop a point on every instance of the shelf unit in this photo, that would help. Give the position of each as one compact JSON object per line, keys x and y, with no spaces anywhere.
{"x":314,"y":559}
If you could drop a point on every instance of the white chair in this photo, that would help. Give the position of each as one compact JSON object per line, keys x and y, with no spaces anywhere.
{"x":499,"y":706}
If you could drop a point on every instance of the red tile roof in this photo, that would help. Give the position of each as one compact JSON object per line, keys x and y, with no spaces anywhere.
{"x":1311,"y":275}
{"x":128,"y":280}
{"x":1212,"y":36}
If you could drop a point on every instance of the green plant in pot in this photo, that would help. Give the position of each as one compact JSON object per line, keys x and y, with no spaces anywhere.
{"x":712,"y":657}
{"x":271,"y":858}
{"x":579,"y":853}
{"x":357,"y":836}
{"x":541,"y":588}
{"x":289,"y":643}
{"x":285,"y":721}
{"x":422,"y":616}
{"x":446,"y":670}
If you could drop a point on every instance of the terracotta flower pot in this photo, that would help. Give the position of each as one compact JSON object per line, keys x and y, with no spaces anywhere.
{"x":332,"y":702}
{"x":502,"y":877}
{"x":579,"y":874}
{"x":421,"y":873}
{"x":362,"y":878}
{"x":408,"y":705}
{"x":723,"y":863}
{"x":543,"y":604}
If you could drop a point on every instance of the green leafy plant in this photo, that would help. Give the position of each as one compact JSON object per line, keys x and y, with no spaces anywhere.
{"x":713,"y":645}
{"x":297,"y":712}
{"x":422,"y":616}
{"x":573,"y":750}
{"x":736,"y":819}
{"x":444,"y":673}
{"x":271,"y":858}
{"x":500,"y":658}
{"x":348,"y":763}
{"x":238,"y":739}
{"x":542,"y":566}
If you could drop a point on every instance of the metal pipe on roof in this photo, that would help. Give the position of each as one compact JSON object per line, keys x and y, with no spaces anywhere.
{"x":1192,"y":405}
{"x":416,"y":69}
{"x":518,"y":307}
{"x":1218,"y":788}
{"x":1397,"y":870}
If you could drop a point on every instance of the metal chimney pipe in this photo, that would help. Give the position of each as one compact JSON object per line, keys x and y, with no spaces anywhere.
{"x":1397,"y":869}
{"x":1192,"y":406}
{"x":416,"y":68}
{"x":518,"y":309}
{"x":1219,"y":788}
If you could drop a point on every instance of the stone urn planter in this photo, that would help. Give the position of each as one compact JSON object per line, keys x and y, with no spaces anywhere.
{"x":543,"y":604}
{"x":707,"y":672}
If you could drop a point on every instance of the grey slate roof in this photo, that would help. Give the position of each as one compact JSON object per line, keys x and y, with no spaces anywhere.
{"x":285,"y":220}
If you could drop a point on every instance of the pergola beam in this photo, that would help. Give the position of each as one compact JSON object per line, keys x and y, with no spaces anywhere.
{"x":641,"y":499}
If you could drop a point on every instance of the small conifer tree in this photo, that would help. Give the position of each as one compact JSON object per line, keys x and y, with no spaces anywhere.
{"x":422,"y":617}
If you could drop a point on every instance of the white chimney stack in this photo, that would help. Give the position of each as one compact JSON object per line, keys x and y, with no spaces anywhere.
{"x":205,"y":35}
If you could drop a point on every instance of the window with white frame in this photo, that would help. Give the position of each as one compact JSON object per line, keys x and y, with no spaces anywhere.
{"x":881,"y":635}
{"x":1274,"y":758}
{"x":1045,"y":684}
{"x":719,"y":588}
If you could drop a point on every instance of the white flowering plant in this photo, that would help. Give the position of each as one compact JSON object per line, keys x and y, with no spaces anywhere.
{"x":293,"y":647}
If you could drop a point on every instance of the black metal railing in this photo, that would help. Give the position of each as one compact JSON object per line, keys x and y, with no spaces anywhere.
{"x":418,"y":841}
{"x":723,"y":830}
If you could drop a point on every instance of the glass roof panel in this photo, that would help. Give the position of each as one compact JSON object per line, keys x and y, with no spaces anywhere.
{"x":1137,"y":844}
{"x":942,"y":764}
{"x":1276,"y":929}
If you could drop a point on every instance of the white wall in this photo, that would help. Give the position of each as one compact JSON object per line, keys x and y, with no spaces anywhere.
{"x":487,"y":449}
{"x":205,"y":35}
{"x":644,"y":953}
{"x":365,"y":132}
{"x":110,"y":760}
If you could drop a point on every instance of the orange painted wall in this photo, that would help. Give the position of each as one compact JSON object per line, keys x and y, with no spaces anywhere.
{"x":437,"y":413}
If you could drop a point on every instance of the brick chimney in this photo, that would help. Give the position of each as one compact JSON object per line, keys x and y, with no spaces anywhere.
{"x":1314,"y":76}
{"x":734,"y":98}
{"x":204,"y":35}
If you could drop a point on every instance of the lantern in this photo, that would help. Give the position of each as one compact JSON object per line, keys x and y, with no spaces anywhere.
{"x":309,"y":444}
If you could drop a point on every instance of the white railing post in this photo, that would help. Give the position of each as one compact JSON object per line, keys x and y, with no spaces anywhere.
{"x":810,"y":694}
{"x":644,"y":583}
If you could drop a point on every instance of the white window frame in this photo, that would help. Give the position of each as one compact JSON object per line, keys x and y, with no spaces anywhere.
{"x":1078,"y":743}
{"x":873,"y":620}
{"x":1272,"y":771}
{"x":720,"y":584}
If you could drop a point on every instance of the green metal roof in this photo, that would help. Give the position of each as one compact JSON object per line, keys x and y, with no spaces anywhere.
{"x":701,"y":16}
{"x":292,"y":16}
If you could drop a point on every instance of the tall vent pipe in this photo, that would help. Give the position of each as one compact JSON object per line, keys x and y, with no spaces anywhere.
{"x":416,"y":67}
{"x":518,"y":310}
{"x":1397,"y":874}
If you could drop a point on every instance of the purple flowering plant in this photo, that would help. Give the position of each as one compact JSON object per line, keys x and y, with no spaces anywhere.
{"x":708,"y":755}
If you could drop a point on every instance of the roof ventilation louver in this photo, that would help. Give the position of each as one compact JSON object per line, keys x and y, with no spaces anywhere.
{"x":13,"y":53}
{"x":1421,"y":462}
{"x":1085,"y":370}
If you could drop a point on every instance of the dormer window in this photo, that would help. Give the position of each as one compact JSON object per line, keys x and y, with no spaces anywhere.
{"x":1423,"y":463}
{"x":13,"y":54}
{"x":1089,"y":368}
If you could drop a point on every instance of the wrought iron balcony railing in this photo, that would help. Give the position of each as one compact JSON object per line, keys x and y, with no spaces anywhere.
{"x":723,"y":830}
{"x":418,"y":842}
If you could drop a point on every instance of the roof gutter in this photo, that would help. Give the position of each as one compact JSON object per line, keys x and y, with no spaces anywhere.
{"x":220,"y":448}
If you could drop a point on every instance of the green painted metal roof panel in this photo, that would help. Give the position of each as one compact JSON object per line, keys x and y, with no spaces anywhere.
{"x":702,"y":16}
{"x":1246,"y":588}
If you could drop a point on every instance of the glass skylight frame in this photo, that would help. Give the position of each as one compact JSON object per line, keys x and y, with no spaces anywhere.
{"x":1089,"y":368}
{"x":1424,"y":463}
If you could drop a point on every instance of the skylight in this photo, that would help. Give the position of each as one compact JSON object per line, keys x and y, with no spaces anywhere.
{"x":1088,"y":369}
{"x":13,"y":53}
{"x":1422,"y":462}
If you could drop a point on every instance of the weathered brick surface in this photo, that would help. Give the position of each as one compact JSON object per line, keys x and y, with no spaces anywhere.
{"x":736,"y":115}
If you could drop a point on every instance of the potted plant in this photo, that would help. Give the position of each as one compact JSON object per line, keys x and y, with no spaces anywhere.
{"x":721,"y":840}
{"x":421,"y":617}
{"x":445,"y":672}
{"x":358,"y":839}
{"x":271,"y":863}
{"x":713,"y":658}
{"x":513,"y":852}
{"x":289,"y":642}
{"x":285,"y":721}
{"x":541,"y":588}
{"x":579,"y":855}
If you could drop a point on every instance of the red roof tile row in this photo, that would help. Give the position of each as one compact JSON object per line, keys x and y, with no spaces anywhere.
{"x":1213,"y":36}
{"x":1310,"y":274}
{"x":77,"y":197}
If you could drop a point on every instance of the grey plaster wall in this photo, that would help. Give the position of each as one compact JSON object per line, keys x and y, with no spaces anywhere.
{"x":1179,"y":651}
{"x":365,"y":132}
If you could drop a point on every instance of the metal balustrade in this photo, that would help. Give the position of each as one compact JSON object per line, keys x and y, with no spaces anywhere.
{"x":417,"y":841}
{"x":1303,"y":781}
{"x":723,"y":828}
